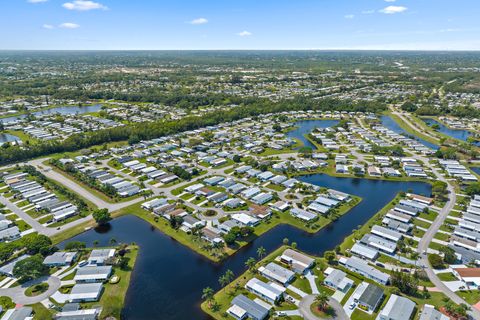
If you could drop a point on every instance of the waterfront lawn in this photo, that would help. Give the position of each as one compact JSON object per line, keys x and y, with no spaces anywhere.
{"x":224,"y":296}
{"x":113,"y":296}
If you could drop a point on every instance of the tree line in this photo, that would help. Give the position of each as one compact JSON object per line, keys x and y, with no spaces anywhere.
{"x":156,"y":129}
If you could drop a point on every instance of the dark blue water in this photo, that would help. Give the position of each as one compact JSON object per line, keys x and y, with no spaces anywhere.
{"x":476,"y":170}
{"x":389,"y":123}
{"x":307,"y":126}
{"x":5,"y":137}
{"x":459,"y":134}
{"x":168,"y":278}
{"x":60,"y":110}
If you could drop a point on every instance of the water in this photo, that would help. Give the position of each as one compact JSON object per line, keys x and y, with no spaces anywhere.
{"x":476,"y":170}
{"x":389,"y":123}
{"x":5,"y":137}
{"x":66,"y":110}
{"x":168,"y":278}
{"x":459,"y":134}
{"x":307,"y":126}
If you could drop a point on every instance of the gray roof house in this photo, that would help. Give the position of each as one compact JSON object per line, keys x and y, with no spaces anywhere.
{"x":93,"y":273}
{"x":359,"y":266}
{"x":299,"y":262}
{"x":98,"y":256}
{"x":429,"y":313}
{"x":371,"y":296}
{"x":242,"y":308}
{"x":397,"y":308}
{"x":337,"y":279}
{"x":60,"y":258}
{"x":277,"y":273}
{"x":18,"y":314}
{"x":84,"y":292}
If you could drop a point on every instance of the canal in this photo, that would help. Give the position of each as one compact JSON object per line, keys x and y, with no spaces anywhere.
{"x":168,"y":278}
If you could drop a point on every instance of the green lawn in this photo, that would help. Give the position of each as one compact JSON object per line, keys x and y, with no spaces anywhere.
{"x":446,"y":276}
{"x":470,"y":296}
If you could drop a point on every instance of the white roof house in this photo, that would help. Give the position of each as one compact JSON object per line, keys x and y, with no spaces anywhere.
{"x":277,"y":273}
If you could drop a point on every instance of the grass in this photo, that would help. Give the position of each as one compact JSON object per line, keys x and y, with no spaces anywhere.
{"x":302,"y":283}
{"x":199,"y":246}
{"x":113,"y":297}
{"x":36,"y":289}
{"x":236,"y":287}
{"x":470,"y":296}
{"x":41,"y":313}
{"x":446,"y":276}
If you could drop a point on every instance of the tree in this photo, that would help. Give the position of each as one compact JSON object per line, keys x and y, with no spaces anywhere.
{"x":35,"y":243}
{"x":75,"y":245}
{"x":405,"y":282}
{"x":229,"y":275}
{"x":250,"y":264}
{"x":330,"y":256}
{"x":237,"y":158}
{"x":113,"y":241}
{"x":261,"y":252}
{"x":207,"y":295}
{"x":285,"y":241}
{"x":30,"y":268}
{"x":223,"y":281}
{"x":101,"y":216}
{"x":448,"y":255}
{"x":436,"y":261}
{"x":321,"y":300}
{"x":229,"y":238}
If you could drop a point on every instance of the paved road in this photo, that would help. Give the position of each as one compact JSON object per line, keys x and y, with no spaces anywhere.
{"x":17,"y":294}
{"x":305,"y":303}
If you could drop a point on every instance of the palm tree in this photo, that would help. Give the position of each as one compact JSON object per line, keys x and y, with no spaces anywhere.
{"x":223,"y":281}
{"x":113,"y":241}
{"x":261,"y":252}
{"x":229,"y":275}
{"x":322,"y":300}
{"x":207,"y":295}
{"x":95,"y":243}
{"x":250,"y":263}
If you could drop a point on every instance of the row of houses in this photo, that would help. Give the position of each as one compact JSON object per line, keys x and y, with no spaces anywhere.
{"x":457,"y":170}
{"x":42,"y":199}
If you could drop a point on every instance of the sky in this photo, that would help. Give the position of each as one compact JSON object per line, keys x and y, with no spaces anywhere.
{"x":239,"y":24}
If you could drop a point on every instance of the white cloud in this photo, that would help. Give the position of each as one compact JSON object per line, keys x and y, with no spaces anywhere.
{"x":393,"y":9}
{"x":69,"y":25}
{"x":244,"y":33}
{"x":36,"y":1}
{"x":199,"y":21}
{"x":47,"y":26}
{"x":349,"y":16}
{"x":368,"y":11}
{"x":83,"y":5}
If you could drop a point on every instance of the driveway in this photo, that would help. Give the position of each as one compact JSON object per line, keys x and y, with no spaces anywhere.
{"x":17,"y":294}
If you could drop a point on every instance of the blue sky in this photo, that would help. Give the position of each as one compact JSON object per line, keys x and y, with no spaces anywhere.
{"x":240,"y":24}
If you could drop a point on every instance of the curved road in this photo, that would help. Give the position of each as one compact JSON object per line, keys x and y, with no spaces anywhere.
{"x":17,"y":294}
{"x":306,"y":302}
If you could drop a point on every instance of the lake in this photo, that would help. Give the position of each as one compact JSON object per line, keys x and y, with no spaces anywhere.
{"x":459,"y":134}
{"x":5,"y":137}
{"x":168,"y":277}
{"x":307,"y":126}
{"x":391,"y":124}
{"x":66,"y":110}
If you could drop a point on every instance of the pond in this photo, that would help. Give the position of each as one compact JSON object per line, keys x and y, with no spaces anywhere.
{"x":476,"y":170}
{"x":391,"y":124}
{"x":66,"y":110}
{"x":307,"y":126}
{"x":459,"y":134}
{"x":168,"y":277}
{"x":5,"y":137}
